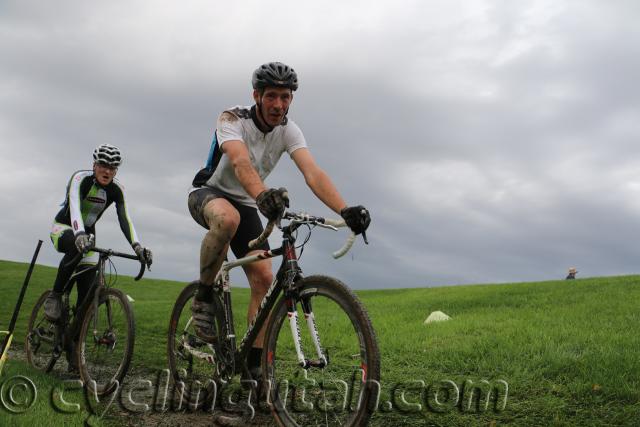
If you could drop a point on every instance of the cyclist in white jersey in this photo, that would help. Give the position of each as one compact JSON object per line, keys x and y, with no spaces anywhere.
{"x":247,"y":144}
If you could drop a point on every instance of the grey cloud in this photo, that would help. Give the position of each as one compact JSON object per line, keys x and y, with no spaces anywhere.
{"x":497,"y":144}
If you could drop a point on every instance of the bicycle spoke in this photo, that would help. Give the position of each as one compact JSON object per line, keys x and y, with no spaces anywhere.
{"x":40,"y":343}
{"x":191,"y":360}
{"x":323,"y":394}
{"x":107,"y":341}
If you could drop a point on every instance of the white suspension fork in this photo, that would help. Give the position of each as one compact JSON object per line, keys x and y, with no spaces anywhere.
{"x":292,"y":314}
{"x":313,"y":331}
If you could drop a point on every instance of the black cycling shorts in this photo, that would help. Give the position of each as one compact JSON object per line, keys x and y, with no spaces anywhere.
{"x":250,"y":225}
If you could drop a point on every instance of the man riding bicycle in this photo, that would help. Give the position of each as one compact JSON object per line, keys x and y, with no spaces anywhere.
{"x":247,"y":144}
{"x":89,"y":194}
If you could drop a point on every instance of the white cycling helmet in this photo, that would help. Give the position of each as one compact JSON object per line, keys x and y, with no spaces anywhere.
{"x":107,"y":154}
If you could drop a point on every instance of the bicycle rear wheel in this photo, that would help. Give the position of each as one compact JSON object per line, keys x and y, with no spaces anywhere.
{"x":40,"y":342}
{"x":345,"y":390}
{"x":192,"y":361}
{"x":106,"y":342}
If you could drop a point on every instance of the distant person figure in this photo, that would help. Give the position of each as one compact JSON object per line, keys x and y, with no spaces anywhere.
{"x":572,"y":273}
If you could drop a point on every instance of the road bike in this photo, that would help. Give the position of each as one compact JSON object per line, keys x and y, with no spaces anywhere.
{"x":97,"y":334}
{"x":325,"y":374}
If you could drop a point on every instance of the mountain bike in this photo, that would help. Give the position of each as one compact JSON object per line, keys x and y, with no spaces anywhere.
{"x":97,"y":334}
{"x":325,"y":374}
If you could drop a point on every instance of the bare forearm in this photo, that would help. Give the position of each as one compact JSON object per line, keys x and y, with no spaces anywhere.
{"x":248,"y":178}
{"x":323,"y":188}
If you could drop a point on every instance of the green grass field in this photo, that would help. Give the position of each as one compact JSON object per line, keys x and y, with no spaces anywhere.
{"x":567,"y":350}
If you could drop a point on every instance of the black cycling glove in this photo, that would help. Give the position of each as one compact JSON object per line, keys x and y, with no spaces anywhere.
{"x":144,"y":254}
{"x":357,"y":218}
{"x":272,"y":202}
{"x":84,"y":242}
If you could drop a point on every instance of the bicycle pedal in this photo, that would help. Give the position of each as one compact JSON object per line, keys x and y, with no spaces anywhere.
{"x":195,"y":341}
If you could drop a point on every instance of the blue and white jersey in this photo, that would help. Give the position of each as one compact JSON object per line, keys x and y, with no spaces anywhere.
{"x":265,"y":149}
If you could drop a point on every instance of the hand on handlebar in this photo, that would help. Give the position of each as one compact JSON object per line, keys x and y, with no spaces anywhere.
{"x":84,"y":242}
{"x":272,"y":202}
{"x":144,"y":254}
{"x":357,"y":218}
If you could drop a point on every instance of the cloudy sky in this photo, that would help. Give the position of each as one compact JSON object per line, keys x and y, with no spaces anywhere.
{"x":492,"y":141}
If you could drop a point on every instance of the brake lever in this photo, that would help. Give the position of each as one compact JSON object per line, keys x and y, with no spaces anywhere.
{"x":363,"y":213}
{"x":323,"y":225}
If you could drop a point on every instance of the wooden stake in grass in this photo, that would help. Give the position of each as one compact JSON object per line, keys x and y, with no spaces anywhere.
{"x":9,"y":333}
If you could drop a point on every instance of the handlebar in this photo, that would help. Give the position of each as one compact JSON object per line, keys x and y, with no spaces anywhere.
{"x":110,"y":252}
{"x":301,"y":218}
{"x":263,"y":236}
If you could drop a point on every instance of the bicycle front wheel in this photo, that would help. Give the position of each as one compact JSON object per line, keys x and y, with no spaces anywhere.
{"x":340,"y":383}
{"x":106,"y":342}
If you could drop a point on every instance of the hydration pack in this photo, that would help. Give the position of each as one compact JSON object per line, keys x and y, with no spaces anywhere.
{"x":204,"y":174}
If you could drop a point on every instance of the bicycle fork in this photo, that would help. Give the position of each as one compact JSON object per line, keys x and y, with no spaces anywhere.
{"x":292,"y":314}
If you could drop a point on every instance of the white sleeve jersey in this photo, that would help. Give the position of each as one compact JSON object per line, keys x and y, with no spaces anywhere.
{"x":265,"y":149}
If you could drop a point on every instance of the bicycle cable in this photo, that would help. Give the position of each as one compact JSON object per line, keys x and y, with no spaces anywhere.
{"x":113,"y":274}
{"x":306,"y":240}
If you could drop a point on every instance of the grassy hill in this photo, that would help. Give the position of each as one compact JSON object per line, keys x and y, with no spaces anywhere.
{"x":550,"y":353}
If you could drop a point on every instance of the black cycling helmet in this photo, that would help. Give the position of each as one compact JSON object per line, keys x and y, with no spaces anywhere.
{"x":274,"y":74}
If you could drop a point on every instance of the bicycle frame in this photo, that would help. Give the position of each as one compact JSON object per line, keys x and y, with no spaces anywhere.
{"x":216,"y":355}
{"x":284,"y":282}
{"x":71,"y":328}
